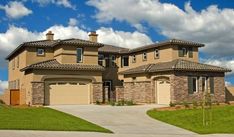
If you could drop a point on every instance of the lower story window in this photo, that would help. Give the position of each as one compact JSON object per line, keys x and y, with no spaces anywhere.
{"x":195,"y":84}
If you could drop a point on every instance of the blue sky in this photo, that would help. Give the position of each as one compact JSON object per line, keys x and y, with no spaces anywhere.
{"x":121,"y":22}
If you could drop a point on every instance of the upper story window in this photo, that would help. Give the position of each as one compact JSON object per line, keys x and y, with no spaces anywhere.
{"x":79,"y":55}
{"x":144,"y":56}
{"x":13,"y":64}
{"x":133,"y":58}
{"x":113,"y":61}
{"x":40,"y":52}
{"x":125,"y":61}
{"x":101,"y":59}
{"x":107,"y":61}
{"x":17,"y":62}
{"x":182,"y":52}
{"x":190,"y":52}
{"x":185,"y":52}
{"x":156,"y":53}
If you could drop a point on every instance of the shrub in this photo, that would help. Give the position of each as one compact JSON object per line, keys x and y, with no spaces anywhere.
{"x":195,"y":104}
{"x":2,"y":102}
{"x":122,"y":102}
{"x":118,"y":103}
{"x":112,"y":103}
{"x":98,"y":102}
{"x":172,"y":104}
{"x":186,"y":104}
{"x":129,"y":103}
{"x":227,"y":102}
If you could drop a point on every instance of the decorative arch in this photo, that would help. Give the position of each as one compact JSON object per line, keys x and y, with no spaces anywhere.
{"x":165,"y":78}
{"x":57,"y":77}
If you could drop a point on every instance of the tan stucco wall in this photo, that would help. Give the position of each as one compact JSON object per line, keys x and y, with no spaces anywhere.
{"x":5,"y":97}
{"x":67,"y":54}
{"x":15,"y":74}
{"x":31,"y":56}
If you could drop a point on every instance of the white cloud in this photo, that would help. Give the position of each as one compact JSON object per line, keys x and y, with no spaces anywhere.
{"x":15,"y":10}
{"x":64,"y":3}
{"x":3,"y":86}
{"x":123,"y":39}
{"x":222,"y":62}
{"x":211,"y":26}
{"x":17,"y":35}
{"x":72,"y":22}
{"x":227,"y":83}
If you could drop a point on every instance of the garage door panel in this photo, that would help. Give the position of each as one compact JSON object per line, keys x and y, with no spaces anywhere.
{"x":69,"y":94}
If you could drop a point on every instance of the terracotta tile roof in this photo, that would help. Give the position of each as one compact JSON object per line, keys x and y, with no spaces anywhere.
{"x":52,"y":43}
{"x":41,"y":43}
{"x":112,"y":49}
{"x":80,"y":41}
{"x":175,"y":65}
{"x":168,"y":42}
{"x":55,"y":65}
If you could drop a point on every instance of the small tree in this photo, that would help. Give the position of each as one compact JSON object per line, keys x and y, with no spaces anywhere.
{"x":207,"y":108}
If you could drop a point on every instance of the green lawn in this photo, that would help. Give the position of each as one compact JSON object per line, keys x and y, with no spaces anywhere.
{"x":43,"y":119}
{"x":191,"y":119}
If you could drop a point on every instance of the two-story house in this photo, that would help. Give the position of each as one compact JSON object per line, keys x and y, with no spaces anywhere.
{"x":75,"y":71}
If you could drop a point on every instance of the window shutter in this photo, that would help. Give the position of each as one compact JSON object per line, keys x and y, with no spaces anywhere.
{"x":180,"y":52}
{"x":190,"y":85}
{"x":212,"y":85}
{"x":190,"y":52}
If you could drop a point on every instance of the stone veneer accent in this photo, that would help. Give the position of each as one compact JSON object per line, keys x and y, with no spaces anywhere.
{"x":179,"y":87}
{"x":119,"y":93}
{"x":38,"y":93}
{"x":138,"y":92}
{"x":97,"y":92}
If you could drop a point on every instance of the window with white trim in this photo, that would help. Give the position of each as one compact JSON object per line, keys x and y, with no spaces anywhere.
{"x":133,"y":58}
{"x":125,"y":61}
{"x":40,"y":52}
{"x":184,"y":50}
{"x":144,"y":56}
{"x":195,"y":84}
{"x":204,"y":85}
{"x":13,"y":64}
{"x":17,"y":62}
{"x":156,"y":53}
{"x":79,"y":55}
{"x":113,"y":60}
{"x":101,"y":59}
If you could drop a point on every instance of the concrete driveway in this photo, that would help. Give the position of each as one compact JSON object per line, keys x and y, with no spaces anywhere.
{"x":123,"y":119}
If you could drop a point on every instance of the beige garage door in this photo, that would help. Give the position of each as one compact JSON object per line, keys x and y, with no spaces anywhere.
{"x":163,"y":92}
{"x":65,"y":94}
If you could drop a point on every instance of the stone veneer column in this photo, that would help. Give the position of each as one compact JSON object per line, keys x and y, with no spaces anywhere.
{"x":38,"y":93}
{"x":219,"y":89}
{"x":119,"y":93}
{"x":97,"y":92}
{"x":106,"y":90}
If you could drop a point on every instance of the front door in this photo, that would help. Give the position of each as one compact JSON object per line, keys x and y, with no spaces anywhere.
{"x":108,"y":84}
{"x":15,"y":97}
